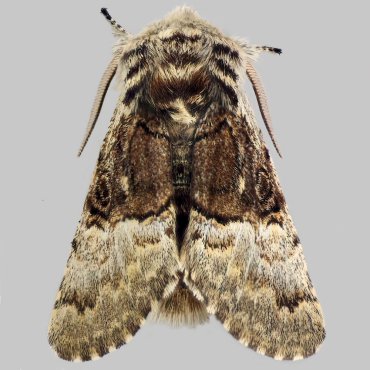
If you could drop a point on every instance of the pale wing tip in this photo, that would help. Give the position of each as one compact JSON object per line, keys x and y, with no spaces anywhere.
{"x":281,"y":354}
{"x":93,"y":356}
{"x":75,"y":351}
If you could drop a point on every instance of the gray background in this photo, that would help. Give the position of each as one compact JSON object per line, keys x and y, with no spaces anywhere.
{"x":52,"y":57}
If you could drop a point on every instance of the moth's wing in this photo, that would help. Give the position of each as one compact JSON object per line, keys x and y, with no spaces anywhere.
{"x":241,"y":254}
{"x":124,"y":256}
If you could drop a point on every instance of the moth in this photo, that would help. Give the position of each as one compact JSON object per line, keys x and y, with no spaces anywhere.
{"x":185,"y":217}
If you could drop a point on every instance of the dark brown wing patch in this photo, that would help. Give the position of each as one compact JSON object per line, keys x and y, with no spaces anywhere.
{"x":135,"y":179}
{"x":215,"y":188}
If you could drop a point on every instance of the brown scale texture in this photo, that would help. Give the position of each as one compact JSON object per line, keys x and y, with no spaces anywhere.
{"x":124,"y":255}
{"x":241,"y":251}
{"x":185,"y":216}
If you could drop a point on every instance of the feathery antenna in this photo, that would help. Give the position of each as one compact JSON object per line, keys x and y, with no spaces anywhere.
{"x":99,"y":98}
{"x":262,"y":102}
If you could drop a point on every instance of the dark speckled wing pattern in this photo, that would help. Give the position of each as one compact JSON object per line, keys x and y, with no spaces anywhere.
{"x":241,"y":252}
{"x":124,"y":257}
{"x":185,"y":216}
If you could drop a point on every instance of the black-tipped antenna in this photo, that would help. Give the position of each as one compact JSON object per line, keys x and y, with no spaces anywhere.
{"x":105,"y":13}
{"x":113,"y":23}
{"x":270,"y":49}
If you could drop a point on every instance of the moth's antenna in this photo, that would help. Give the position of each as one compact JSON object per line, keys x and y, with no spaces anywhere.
{"x":99,"y":98}
{"x":104,"y":82}
{"x":117,"y":27}
{"x":269,"y":49}
{"x":262,"y":102}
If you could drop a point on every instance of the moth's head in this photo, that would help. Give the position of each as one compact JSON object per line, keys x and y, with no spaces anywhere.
{"x":184,"y":16}
{"x":183,"y":13}
{"x":181,"y":24}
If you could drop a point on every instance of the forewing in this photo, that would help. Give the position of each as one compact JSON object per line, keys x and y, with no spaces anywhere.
{"x":124,"y":256}
{"x":242,"y":255}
